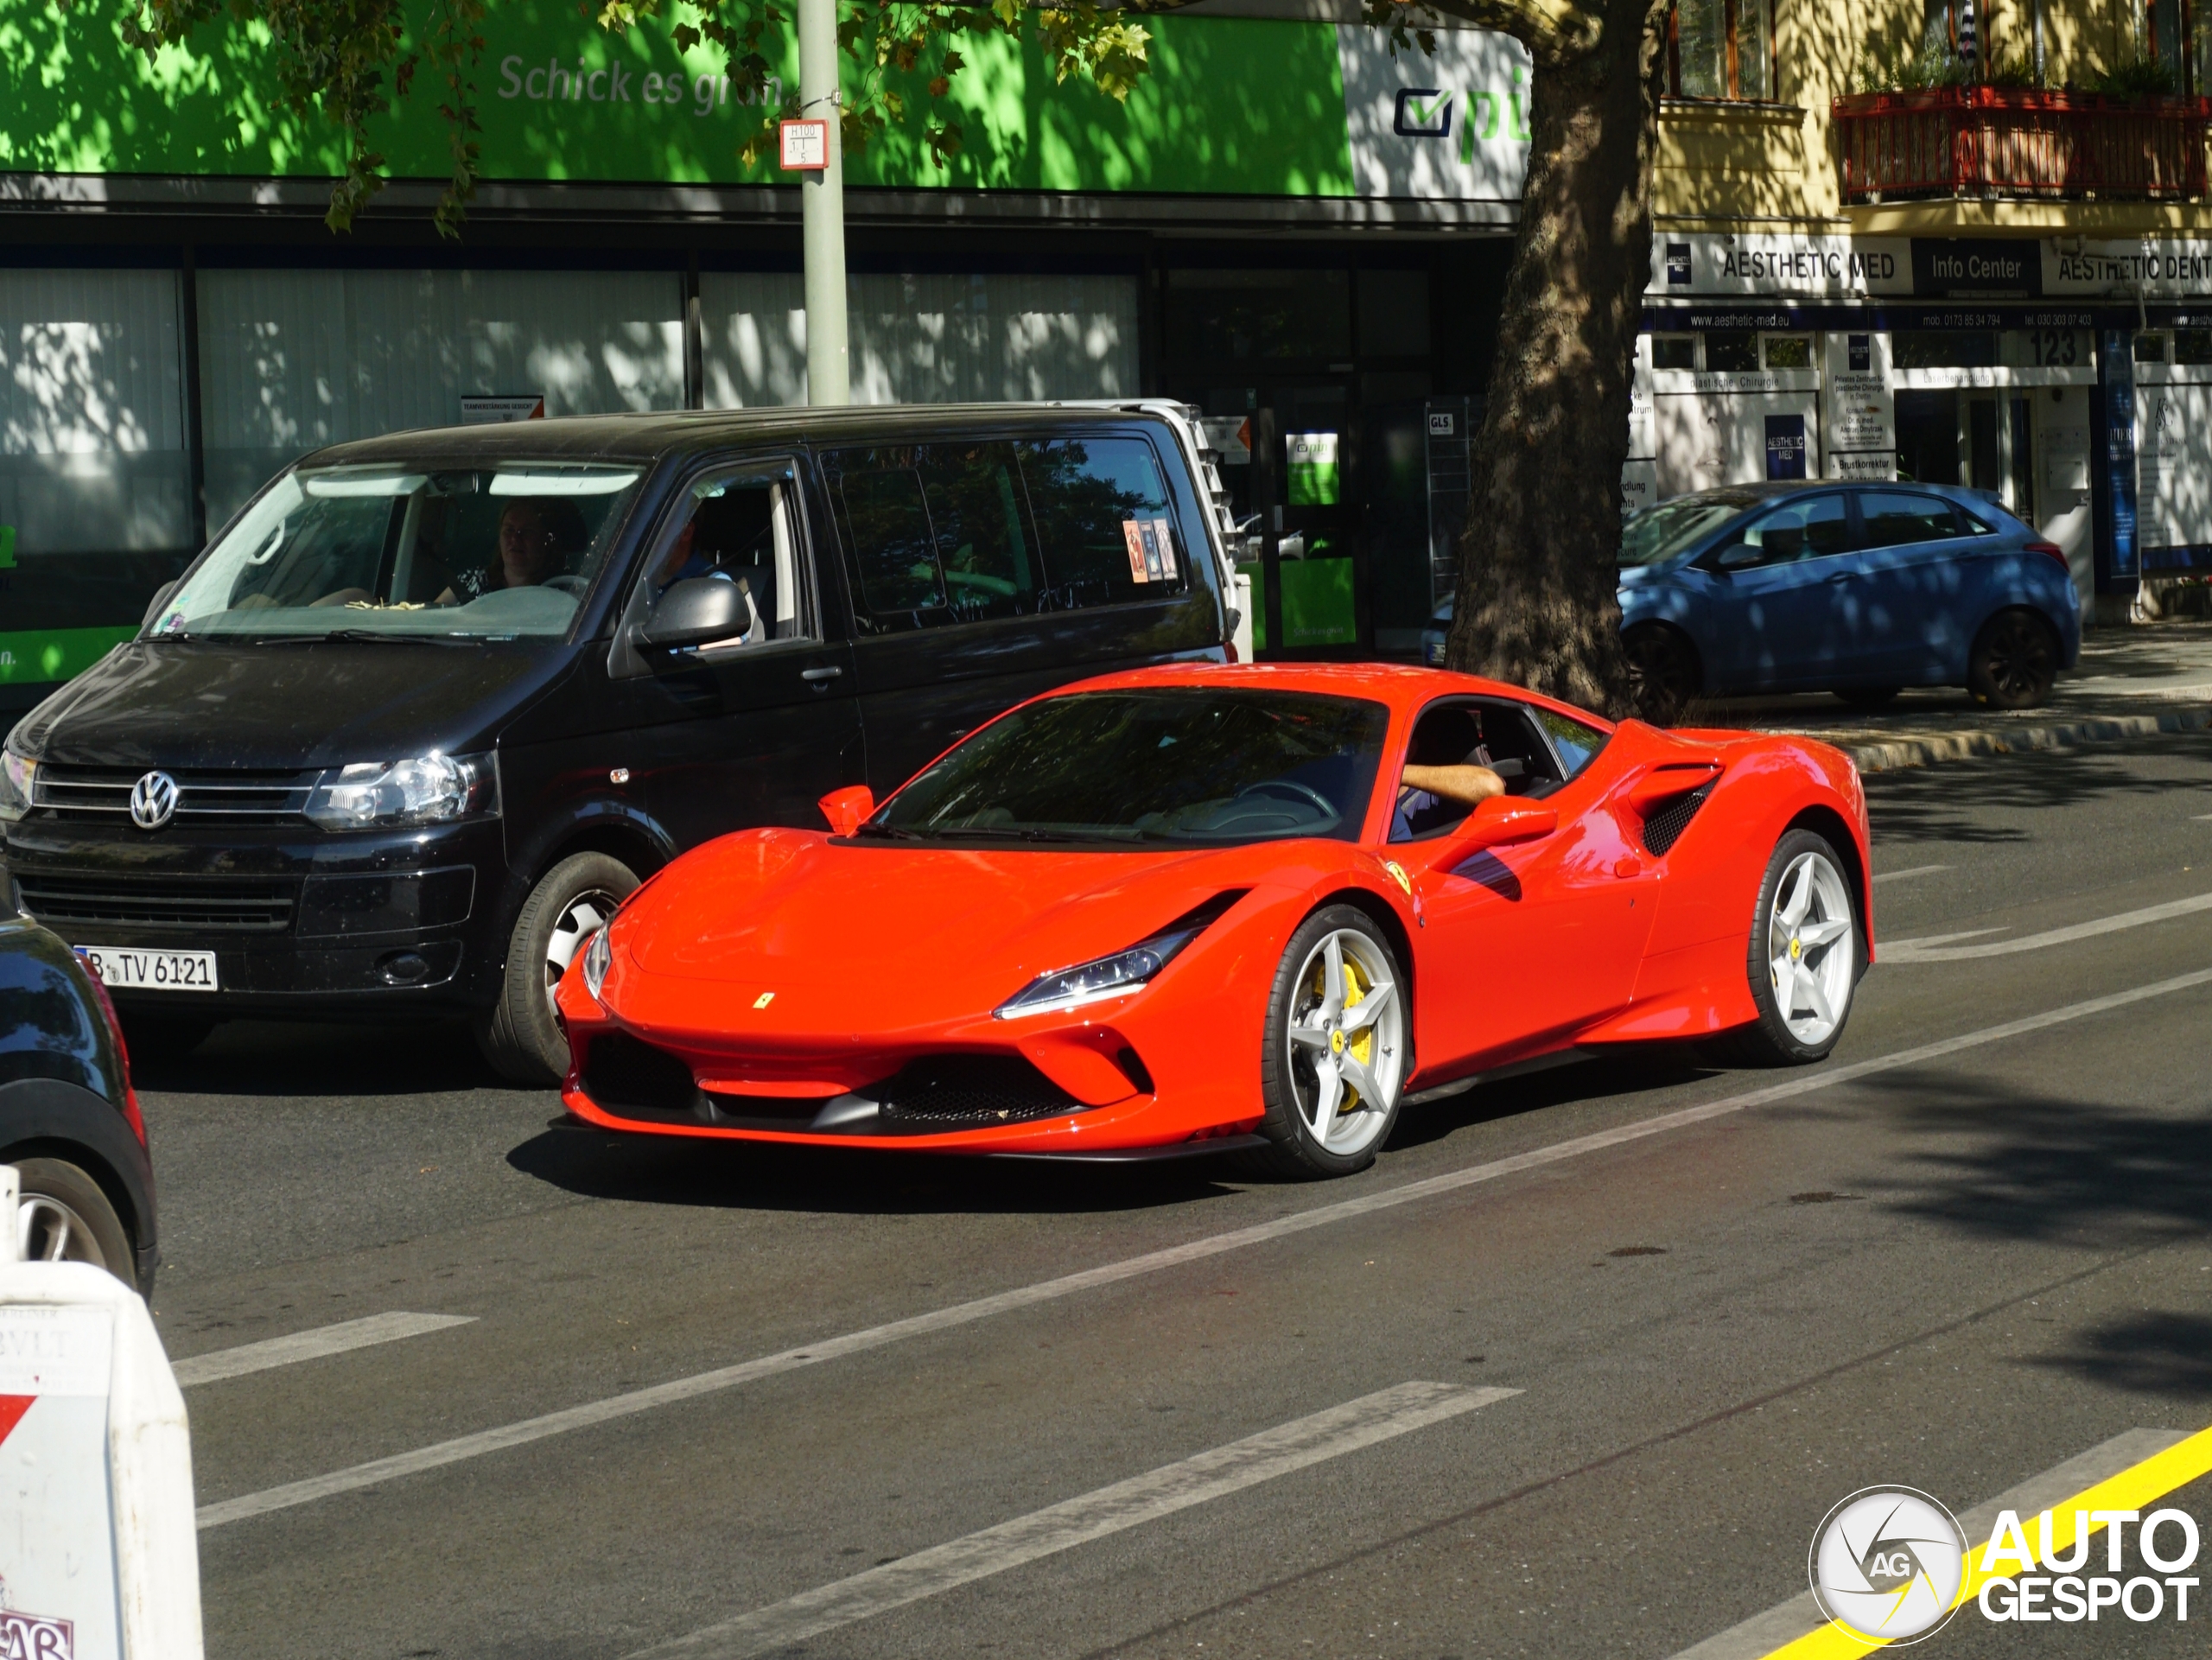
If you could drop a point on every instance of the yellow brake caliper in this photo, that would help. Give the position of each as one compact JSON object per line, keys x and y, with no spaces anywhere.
{"x":1363,"y":1046}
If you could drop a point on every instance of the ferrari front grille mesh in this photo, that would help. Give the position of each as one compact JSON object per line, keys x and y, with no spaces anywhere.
{"x":1664,"y":828}
{"x":969,"y":1092}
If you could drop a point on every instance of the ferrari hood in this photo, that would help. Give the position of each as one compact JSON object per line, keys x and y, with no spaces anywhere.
{"x":907,"y":932}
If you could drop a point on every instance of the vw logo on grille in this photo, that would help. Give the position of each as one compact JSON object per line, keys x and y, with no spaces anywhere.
{"x":153,"y":801}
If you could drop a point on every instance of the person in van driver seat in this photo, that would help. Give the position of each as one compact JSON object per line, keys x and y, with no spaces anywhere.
{"x":1445,"y":776}
{"x":538,"y":536}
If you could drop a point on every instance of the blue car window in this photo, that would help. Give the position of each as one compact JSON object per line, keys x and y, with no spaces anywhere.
{"x":1804,"y":529}
{"x":1896,"y":516}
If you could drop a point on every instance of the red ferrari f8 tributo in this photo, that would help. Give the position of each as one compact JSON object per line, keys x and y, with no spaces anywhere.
{"x":1262,"y":906}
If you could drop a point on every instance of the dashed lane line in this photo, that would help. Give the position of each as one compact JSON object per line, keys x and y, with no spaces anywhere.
{"x":376,"y":1472}
{"x":362,"y":1334}
{"x":1382,"y":1416}
{"x":1929,"y":950}
{"x":1900,"y":875}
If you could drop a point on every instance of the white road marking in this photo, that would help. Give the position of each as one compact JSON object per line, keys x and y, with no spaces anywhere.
{"x":1932,"y":950}
{"x":309,"y":1345}
{"x":462,"y":1447}
{"x":1224,"y":1470}
{"x":1916,"y":870}
{"x":1784,"y":1622}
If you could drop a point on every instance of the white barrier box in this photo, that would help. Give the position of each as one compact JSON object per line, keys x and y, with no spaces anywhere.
{"x":99,"y":1556}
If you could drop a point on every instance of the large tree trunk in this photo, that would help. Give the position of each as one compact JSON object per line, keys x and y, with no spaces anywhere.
{"x":1538,"y":562}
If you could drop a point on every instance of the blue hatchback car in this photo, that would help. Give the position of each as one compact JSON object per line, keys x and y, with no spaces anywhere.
{"x":1858,"y":589}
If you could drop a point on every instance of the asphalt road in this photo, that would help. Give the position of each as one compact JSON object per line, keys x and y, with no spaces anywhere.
{"x":1655,"y":1363}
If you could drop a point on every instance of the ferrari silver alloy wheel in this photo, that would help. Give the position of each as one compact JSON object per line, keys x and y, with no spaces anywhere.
{"x":1809,"y":951}
{"x":46,"y":1230}
{"x":1347,"y":1042}
{"x":587,"y":914}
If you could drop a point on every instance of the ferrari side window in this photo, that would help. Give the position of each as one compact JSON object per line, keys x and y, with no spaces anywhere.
{"x":1574,"y":742}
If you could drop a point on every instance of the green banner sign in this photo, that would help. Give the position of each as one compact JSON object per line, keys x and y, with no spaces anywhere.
{"x":42,"y":654}
{"x":1231,"y":105}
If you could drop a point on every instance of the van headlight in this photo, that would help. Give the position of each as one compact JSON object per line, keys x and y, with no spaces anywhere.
{"x":427,"y":790}
{"x":599,"y":956}
{"x":16,"y":773}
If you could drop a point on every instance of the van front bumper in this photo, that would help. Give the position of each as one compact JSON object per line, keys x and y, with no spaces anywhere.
{"x":369,"y":923}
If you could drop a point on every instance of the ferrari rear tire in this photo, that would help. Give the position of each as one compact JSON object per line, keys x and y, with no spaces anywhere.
{"x":1805,"y":954}
{"x":521,"y":1034}
{"x":1337,"y":1050}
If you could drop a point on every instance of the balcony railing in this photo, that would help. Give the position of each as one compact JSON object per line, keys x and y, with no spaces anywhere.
{"x":1988,"y":141}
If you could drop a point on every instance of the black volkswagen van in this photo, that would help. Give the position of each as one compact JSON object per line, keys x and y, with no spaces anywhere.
{"x":431,"y":704}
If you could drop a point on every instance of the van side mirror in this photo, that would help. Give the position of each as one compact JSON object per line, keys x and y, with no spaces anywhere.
{"x":694,"y":612}
{"x":1499,"y":821}
{"x":847,"y":810}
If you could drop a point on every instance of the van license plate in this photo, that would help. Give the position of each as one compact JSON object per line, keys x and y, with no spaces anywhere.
{"x":137,"y":970}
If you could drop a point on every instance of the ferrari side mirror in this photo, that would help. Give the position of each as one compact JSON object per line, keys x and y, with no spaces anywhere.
{"x":1498,"y":822}
{"x":846,"y":809}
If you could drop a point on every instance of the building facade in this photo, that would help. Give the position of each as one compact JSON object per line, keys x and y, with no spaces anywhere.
{"x":2006,"y":285}
{"x":1910,"y":238}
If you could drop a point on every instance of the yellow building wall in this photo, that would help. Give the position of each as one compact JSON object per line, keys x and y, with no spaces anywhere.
{"x":1719,"y":165}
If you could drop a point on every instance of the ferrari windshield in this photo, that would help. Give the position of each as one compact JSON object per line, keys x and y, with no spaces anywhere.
{"x":371,"y":552}
{"x":1177,"y":765}
{"x":1657,"y":534}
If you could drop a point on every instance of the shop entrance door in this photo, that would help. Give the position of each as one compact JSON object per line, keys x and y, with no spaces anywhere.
{"x":1994,"y":438}
{"x":1311,"y":504}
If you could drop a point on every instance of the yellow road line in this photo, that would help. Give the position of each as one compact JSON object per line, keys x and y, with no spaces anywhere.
{"x":2133,"y":1489}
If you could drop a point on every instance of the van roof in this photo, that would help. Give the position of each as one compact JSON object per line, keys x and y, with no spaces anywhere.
{"x":647,"y":435}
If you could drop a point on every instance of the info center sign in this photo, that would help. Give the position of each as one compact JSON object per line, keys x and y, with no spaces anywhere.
{"x":1245,"y":106}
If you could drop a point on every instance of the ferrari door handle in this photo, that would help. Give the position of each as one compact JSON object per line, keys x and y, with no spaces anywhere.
{"x":816,"y":676}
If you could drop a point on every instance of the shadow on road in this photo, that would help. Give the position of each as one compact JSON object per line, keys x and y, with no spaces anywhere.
{"x":2152,"y":1353}
{"x":276,"y":1058}
{"x":765,"y":1176}
{"x":1965,"y":802}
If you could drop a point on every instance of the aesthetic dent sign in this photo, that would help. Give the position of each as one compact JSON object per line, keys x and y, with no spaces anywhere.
{"x":2159,"y":270}
{"x":1821,"y":267}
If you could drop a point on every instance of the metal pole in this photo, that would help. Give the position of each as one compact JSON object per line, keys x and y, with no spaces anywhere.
{"x":822,"y":199}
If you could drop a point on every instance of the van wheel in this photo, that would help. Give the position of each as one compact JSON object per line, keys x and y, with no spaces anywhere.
{"x":521,"y":1034}
{"x":64,"y":1217}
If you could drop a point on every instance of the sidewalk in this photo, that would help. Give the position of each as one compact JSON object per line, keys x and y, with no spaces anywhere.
{"x":2130,"y":681}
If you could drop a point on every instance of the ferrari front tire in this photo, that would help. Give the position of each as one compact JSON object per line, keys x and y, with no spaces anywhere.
{"x":1336,"y":1050}
{"x":1805,"y":956}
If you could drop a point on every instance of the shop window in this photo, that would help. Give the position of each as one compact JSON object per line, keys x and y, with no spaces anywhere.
{"x":1720,"y":49}
{"x":2149,"y":348}
{"x":1394,"y":314}
{"x":1790,"y":352}
{"x":2193,"y":347}
{"x":1944,"y":348}
{"x":1230,"y":315}
{"x":1732,"y":350}
{"x":1673,"y":351}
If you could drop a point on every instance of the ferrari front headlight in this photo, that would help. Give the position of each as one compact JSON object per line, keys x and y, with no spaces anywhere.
{"x":1117,"y":976}
{"x":599,"y":956}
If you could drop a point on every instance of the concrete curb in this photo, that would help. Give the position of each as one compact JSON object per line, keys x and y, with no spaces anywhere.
{"x":1964,"y":746}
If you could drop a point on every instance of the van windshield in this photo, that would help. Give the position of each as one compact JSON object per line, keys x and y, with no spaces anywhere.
{"x":354,"y":552}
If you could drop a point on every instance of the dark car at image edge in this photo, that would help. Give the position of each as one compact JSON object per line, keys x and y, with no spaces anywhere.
{"x":69,"y":1119}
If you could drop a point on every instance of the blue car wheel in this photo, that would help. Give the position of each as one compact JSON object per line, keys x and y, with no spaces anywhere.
{"x":2014,"y":662}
